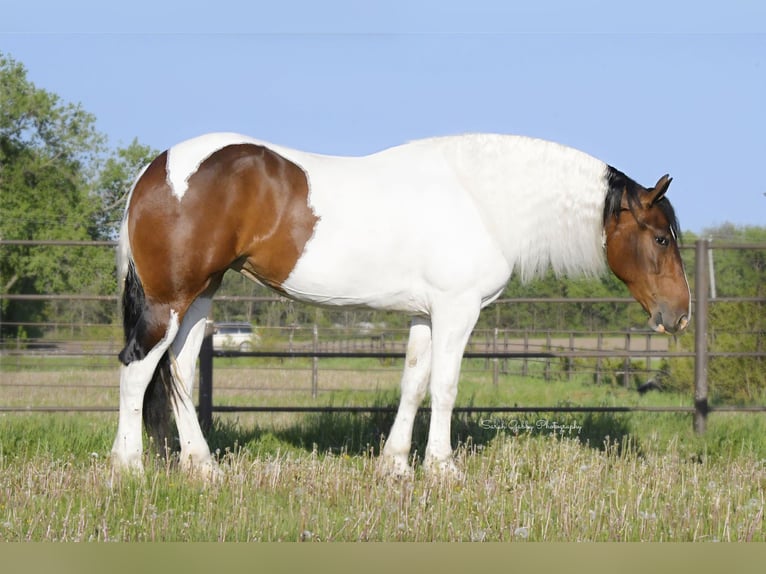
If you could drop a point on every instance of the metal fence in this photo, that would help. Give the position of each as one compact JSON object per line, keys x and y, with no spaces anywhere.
{"x":495,"y":348}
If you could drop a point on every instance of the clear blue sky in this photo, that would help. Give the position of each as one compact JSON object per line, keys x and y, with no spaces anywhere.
{"x":650,"y":87}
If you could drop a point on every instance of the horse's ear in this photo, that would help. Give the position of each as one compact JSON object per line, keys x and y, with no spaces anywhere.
{"x":659,"y":190}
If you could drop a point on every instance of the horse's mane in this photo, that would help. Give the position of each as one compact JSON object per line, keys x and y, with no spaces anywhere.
{"x":617,"y":182}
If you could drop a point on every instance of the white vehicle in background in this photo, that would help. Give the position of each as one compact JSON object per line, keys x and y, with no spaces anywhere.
{"x":234,"y":337}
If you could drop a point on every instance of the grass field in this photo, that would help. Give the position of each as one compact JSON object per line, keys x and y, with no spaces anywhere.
{"x":531,"y":477}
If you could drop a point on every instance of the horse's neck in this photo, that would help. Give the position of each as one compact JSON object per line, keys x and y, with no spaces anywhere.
{"x":542,"y":201}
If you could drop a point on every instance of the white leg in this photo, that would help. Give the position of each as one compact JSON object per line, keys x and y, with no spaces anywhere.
{"x":195,"y":452}
{"x":417,"y":367}
{"x":452,"y":325}
{"x":134,"y":379}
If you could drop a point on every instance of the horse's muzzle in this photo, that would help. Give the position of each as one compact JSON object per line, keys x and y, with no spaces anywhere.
{"x":657,"y":323}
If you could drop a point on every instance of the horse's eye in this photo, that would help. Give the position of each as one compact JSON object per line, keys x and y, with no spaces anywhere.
{"x":662,"y":240}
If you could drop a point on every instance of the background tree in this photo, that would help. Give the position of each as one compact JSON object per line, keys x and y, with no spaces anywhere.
{"x":52,"y":187}
{"x":732,"y":326}
{"x":114,"y":181}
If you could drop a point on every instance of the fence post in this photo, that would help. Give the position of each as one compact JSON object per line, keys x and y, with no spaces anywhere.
{"x":647,"y":348}
{"x":205,"y":412}
{"x":315,"y":364}
{"x":700,"y":335}
{"x":495,"y":361}
{"x":547,"y":374}
{"x":626,"y":366}
{"x":525,"y":363}
{"x":599,"y":347}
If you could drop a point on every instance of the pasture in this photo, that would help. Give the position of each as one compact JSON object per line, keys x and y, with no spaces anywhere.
{"x":297,"y":477}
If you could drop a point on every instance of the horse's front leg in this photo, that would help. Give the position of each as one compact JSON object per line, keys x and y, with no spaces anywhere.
{"x":417,"y":367}
{"x":452,"y":323}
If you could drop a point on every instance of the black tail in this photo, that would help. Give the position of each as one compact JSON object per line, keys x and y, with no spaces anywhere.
{"x":133,"y":319}
{"x":156,"y":405}
{"x":156,"y":413}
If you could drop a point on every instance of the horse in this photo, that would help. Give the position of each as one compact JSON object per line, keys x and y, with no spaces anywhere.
{"x":433,"y":228}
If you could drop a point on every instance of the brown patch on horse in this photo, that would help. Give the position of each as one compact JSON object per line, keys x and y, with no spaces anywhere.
{"x":642,"y":250}
{"x":246,"y":208}
{"x":268,"y":194}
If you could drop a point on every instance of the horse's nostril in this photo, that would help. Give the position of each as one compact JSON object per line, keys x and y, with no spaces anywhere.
{"x":683,"y":321}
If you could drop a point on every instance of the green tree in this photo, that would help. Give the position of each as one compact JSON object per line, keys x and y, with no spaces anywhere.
{"x":53,"y":187}
{"x":114,"y":181}
{"x":47,"y":151}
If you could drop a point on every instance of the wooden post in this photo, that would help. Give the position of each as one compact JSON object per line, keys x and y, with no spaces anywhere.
{"x":315,"y":364}
{"x":700,"y":336}
{"x":205,"y":411}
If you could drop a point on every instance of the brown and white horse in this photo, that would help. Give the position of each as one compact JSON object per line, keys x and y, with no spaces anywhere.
{"x":433,"y":228}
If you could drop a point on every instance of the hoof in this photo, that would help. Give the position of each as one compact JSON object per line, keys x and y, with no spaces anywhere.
{"x":126,"y":466}
{"x":443,"y":469}
{"x":394,"y":467}
{"x":205,"y":468}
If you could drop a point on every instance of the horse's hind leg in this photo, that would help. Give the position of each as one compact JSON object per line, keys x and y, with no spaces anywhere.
{"x":417,"y":367}
{"x":134,"y":380}
{"x":195,"y":452}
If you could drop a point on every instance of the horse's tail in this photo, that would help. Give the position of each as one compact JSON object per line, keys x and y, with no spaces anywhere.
{"x":156,"y":403}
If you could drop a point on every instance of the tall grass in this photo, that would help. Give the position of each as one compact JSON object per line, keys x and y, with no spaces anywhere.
{"x":56,"y":483}
{"x":528,"y":477}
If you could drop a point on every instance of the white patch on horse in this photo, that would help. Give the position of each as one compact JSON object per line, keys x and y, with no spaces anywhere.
{"x":478,"y":207}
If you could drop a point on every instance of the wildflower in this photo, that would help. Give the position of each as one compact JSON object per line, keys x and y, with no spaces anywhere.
{"x":522,"y":532}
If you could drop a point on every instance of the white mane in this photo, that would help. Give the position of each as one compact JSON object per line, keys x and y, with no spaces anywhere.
{"x":542,"y":201}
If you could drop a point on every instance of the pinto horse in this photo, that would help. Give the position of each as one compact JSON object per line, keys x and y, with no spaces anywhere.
{"x":433,"y":228}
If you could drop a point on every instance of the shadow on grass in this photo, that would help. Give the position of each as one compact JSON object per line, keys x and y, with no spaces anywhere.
{"x":364,"y":433}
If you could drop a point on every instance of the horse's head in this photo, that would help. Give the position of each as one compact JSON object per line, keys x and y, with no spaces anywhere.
{"x":642,"y":250}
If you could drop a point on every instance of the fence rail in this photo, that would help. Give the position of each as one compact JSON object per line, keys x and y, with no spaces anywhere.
{"x":421,"y":410}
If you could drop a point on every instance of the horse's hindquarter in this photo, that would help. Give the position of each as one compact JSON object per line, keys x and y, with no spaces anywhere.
{"x":395,"y":230}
